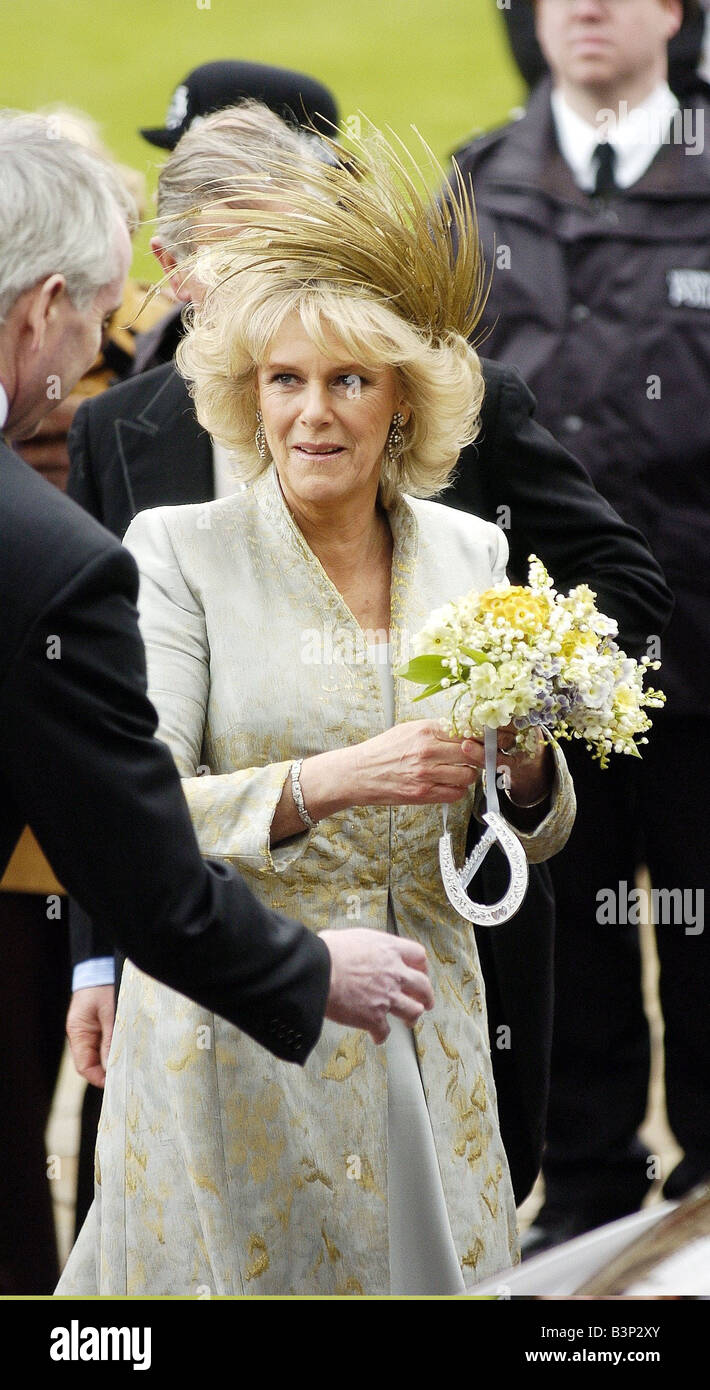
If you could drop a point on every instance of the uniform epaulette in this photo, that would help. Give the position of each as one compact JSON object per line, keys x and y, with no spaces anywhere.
{"x":480,"y":142}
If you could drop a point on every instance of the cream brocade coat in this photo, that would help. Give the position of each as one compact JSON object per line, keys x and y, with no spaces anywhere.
{"x":221,"y":1169}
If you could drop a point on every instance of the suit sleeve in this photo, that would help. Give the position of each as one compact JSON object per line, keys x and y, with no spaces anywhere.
{"x":519,"y":476}
{"x":103,"y":797}
{"x":81,"y":482}
{"x":86,"y":940}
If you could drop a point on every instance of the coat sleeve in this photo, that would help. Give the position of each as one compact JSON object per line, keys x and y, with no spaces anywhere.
{"x":231,"y":812}
{"x":554,"y":830}
{"x":81,"y":482}
{"x":86,"y":939}
{"x":517,"y":474}
{"x":103,"y":797}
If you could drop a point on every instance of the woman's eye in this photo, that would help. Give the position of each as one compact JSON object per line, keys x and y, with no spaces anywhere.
{"x":353,"y":382}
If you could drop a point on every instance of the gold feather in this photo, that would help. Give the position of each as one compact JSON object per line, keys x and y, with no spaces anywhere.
{"x":364,"y":223}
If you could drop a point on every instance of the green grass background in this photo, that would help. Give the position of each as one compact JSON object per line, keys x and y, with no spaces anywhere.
{"x":442,"y":65}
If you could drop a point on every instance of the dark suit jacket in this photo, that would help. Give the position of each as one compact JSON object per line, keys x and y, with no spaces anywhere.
{"x":80,"y":765}
{"x":139,"y":445}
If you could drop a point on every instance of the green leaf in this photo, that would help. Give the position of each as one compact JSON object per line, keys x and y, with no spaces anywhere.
{"x":424,"y":670}
{"x":478,"y":657}
{"x":430,"y":690}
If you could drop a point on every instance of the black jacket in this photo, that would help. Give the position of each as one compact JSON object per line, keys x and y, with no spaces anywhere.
{"x":139,"y":445}
{"x":605,"y":309}
{"x":80,"y":765}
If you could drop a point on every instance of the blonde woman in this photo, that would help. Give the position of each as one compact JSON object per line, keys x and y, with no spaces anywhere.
{"x":332,"y":354}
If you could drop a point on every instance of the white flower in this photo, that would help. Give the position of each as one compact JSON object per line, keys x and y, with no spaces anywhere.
{"x":558,"y":664}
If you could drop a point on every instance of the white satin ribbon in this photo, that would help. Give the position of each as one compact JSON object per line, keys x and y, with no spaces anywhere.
{"x":456,"y":881}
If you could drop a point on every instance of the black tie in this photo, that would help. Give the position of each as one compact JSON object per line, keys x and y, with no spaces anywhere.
{"x":605,"y":158}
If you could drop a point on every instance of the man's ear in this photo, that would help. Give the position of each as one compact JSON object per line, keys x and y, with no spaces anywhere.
{"x":170,"y":267}
{"x":675,"y":20}
{"x":42,"y":305}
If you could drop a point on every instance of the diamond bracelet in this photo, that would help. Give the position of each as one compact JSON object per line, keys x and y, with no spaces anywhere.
{"x":297,"y":791}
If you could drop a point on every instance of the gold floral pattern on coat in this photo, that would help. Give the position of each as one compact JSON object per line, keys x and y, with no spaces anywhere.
{"x":223,"y":1169}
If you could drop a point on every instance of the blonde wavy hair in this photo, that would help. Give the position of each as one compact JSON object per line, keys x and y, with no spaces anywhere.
{"x":358,"y":250}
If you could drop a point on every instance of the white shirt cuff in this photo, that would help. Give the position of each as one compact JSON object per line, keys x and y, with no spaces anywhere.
{"x":99,"y":971}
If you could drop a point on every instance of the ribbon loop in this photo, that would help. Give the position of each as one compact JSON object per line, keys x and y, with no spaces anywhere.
{"x":498,"y":832}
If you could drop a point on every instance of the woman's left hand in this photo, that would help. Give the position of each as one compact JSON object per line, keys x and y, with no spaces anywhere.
{"x":530,"y":777}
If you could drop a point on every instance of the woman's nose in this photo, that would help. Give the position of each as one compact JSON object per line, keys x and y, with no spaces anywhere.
{"x":316,"y":405}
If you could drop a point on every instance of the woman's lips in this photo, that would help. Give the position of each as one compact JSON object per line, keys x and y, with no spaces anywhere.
{"x":318,"y":450}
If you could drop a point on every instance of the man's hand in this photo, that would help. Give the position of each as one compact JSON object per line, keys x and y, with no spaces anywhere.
{"x":89,"y":1028}
{"x":372,"y":974}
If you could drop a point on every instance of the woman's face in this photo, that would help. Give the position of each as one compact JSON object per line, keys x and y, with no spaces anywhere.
{"x":326,"y":418}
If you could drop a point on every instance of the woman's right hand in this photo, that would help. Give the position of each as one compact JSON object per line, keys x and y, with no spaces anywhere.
{"x":411,"y":764}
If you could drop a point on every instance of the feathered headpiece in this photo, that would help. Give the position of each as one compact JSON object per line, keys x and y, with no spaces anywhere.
{"x":363,"y":222}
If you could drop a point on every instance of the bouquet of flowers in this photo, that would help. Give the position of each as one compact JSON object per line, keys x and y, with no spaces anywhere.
{"x":528,"y":657}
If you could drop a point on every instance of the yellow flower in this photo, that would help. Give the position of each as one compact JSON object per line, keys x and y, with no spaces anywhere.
{"x":625,"y":699}
{"x":577,"y":641}
{"x":517,"y":606}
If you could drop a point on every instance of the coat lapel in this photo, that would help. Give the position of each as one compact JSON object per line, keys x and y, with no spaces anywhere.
{"x":164,"y":454}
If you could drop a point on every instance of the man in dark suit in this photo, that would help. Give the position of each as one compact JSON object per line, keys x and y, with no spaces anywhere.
{"x":141,"y":446}
{"x":78,"y":759}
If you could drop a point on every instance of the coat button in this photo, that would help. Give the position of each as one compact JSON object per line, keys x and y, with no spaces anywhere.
{"x":572,"y":423}
{"x":580,"y":312}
